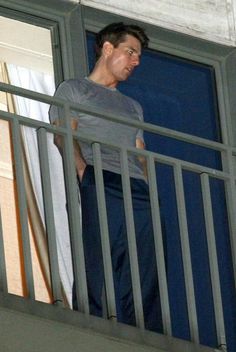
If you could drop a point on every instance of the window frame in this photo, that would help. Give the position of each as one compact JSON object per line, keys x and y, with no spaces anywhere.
{"x":64,"y":20}
{"x":68,"y":22}
{"x":220,"y":57}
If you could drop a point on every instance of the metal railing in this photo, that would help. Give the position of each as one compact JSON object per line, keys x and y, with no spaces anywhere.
{"x":178,"y":167}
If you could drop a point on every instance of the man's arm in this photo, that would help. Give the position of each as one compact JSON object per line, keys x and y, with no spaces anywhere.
{"x":80,"y":163}
{"x":141,"y":145}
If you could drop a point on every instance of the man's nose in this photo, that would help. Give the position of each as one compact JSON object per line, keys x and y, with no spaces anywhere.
{"x":135,"y":60}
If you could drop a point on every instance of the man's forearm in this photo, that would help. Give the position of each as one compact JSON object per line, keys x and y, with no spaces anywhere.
{"x":80,"y":163}
{"x":140,"y":145}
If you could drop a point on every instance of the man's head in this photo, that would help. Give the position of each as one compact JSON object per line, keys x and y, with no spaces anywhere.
{"x":116,"y":33}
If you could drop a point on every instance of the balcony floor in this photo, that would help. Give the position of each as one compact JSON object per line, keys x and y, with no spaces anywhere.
{"x":28,"y":326}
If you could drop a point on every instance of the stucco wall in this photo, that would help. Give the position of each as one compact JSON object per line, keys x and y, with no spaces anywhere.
{"x":208,"y":19}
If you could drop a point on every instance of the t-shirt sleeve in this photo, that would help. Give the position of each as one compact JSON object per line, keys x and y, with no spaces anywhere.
{"x":65,"y":92}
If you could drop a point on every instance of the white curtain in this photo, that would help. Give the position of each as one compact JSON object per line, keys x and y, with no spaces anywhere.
{"x":43,"y":83}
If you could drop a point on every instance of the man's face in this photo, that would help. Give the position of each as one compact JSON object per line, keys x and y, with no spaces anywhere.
{"x":124,"y":58}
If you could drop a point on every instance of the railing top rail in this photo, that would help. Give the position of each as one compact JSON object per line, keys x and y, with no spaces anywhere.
{"x":184,"y":137}
{"x":164,"y":159}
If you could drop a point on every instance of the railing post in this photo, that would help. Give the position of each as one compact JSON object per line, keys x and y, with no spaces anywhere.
{"x":72,"y":196}
{"x":49,"y":216}
{"x":230,"y":187}
{"x":159,"y":250}
{"x":186,"y":255}
{"x":134,"y":266}
{"x":213,"y":261}
{"x":105,"y":240}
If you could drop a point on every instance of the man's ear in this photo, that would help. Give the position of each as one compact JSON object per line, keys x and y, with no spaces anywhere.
{"x":107,"y":48}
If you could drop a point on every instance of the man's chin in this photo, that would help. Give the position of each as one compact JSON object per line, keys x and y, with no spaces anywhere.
{"x":124,"y":78}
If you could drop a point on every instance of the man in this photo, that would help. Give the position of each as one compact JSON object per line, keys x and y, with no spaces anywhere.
{"x":118,"y":51}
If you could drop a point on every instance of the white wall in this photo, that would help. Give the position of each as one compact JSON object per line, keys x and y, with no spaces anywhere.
{"x":208,"y":19}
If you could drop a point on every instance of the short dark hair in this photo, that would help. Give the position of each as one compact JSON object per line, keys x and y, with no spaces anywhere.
{"x":115,"y":33}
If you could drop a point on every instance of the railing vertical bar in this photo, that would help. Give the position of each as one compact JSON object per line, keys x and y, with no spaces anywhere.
{"x":134,"y":267}
{"x":49,"y":215}
{"x":158,"y":240}
{"x":3,"y":272}
{"x":105,"y":240}
{"x":230,"y":188}
{"x":231,"y":206}
{"x":19,"y":172}
{"x":74,"y":217}
{"x":186,"y":254}
{"x":213,"y":261}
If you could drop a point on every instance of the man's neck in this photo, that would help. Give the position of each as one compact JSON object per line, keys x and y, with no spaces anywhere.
{"x":101,"y":76}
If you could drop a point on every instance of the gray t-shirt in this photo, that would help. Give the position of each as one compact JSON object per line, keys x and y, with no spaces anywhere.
{"x":89,"y":93}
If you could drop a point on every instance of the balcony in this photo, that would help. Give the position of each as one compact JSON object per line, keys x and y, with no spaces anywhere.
{"x":55,"y":318}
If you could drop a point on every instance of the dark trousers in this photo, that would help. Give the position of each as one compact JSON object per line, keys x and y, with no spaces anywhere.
{"x":119,"y":249}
